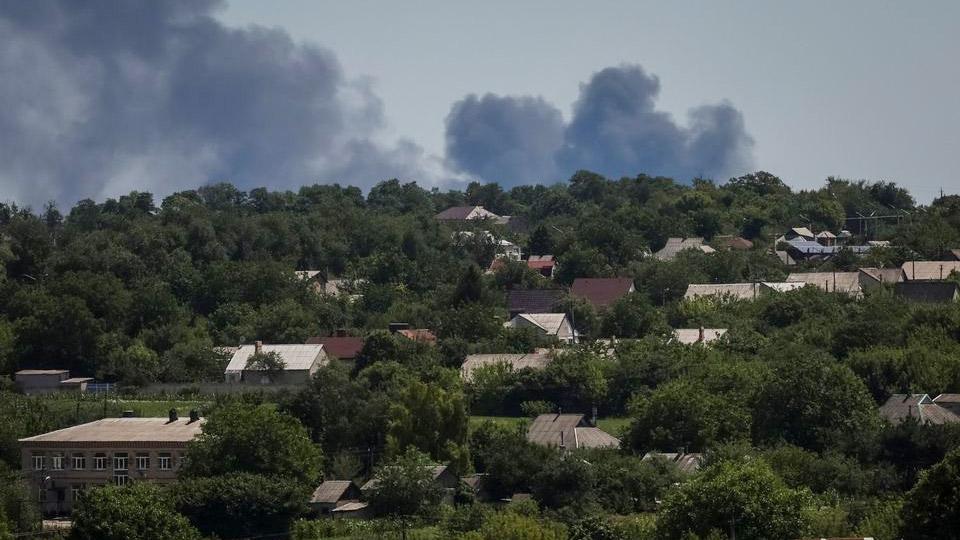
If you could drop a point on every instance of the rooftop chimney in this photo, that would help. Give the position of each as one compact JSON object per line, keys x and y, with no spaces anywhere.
{"x":258,"y":347}
{"x":173,"y":415}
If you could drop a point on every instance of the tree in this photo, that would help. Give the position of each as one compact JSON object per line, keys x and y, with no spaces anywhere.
{"x":932,"y":508}
{"x":253,"y":439}
{"x":269,"y":362}
{"x":632,"y":317}
{"x":404,"y":486}
{"x":140,"y":511}
{"x":512,"y":526}
{"x":432,"y":419}
{"x":240,"y":505}
{"x":744,"y":498}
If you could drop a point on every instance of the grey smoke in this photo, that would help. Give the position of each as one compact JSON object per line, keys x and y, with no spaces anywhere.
{"x":616,"y":130}
{"x":103,"y":97}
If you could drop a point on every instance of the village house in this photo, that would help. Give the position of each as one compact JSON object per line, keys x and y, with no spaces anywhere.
{"x":735,"y":243}
{"x":330,"y":286}
{"x":929,"y":270}
{"x":512,"y":362}
{"x":300,"y":362}
{"x":839,"y":282}
{"x":738,"y":291}
{"x":675,"y":245}
{"x":61,"y":464}
{"x":569,"y":432}
{"x":420,"y":335}
{"x":345,"y":348}
{"x":601,"y":292}
{"x":46,"y":381}
{"x":549,"y":324}
{"x":921,"y":407}
{"x":442,"y":476}
{"x":533,"y":301}
{"x":466,"y":213}
{"x":332,"y":494}
{"x":928,"y":292}
{"x":872,"y":278}
{"x":686,"y":463}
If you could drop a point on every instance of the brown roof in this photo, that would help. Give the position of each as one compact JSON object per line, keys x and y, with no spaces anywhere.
{"x":733,"y":242}
{"x":332,"y":491}
{"x":418,"y":334}
{"x":601,"y":292}
{"x":538,"y":262}
{"x":42,"y":372}
{"x":455,"y":213}
{"x":533,"y":300}
{"x":343,"y":347}
{"x":902,"y":406}
{"x":570,"y":430}
{"x":123,"y":430}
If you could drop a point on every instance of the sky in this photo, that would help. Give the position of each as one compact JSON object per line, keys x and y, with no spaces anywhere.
{"x":102,"y":97}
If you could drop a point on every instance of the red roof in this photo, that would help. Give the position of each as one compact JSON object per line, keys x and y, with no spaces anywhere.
{"x":601,"y":292}
{"x":343,"y":347}
{"x":540,"y":264}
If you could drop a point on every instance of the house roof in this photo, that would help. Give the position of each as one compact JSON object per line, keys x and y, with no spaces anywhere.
{"x":435,"y":470}
{"x":533,"y":300}
{"x":601,"y":292}
{"x":123,"y":430}
{"x":899,"y":407}
{"x":882,"y":275}
{"x":513,"y":361}
{"x":743,"y":291}
{"x":570,"y":430}
{"x":352,"y":506}
{"x":782,"y":286}
{"x":461,"y":213}
{"x":802,"y":231}
{"x":685,"y":462}
{"x":537,"y":262}
{"x":927,"y":291}
{"x":76,"y":380}
{"x":844,"y":282}
{"x":42,"y":372}
{"x":676,"y":245}
{"x":826,"y":234}
{"x":330,"y":491}
{"x":690,"y":336}
{"x":809,"y":247}
{"x":343,"y":347}
{"x":295,"y":357}
{"x":929,"y":270}
{"x":422,"y":335}
{"x":550,"y":323}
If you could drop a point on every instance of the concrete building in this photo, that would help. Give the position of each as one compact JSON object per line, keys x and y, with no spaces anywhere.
{"x":61,"y":464}
{"x":46,"y":381}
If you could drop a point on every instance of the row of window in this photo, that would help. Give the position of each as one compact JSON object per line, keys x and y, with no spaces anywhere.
{"x":76,"y":490}
{"x":100,"y":462}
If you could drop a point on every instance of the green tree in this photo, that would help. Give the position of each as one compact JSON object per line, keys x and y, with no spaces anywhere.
{"x":434,"y":420}
{"x":140,"y":511}
{"x":512,"y":526}
{"x":743,"y":498}
{"x":253,"y":439}
{"x":404,"y":486}
{"x":932,"y":508}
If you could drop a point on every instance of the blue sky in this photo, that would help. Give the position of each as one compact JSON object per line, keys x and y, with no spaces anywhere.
{"x":107,"y":96}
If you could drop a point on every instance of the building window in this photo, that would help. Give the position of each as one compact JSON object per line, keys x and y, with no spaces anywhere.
{"x":38,"y":462}
{"x":120,"y":461}
{"x":56,"y":462}
{"x":76,"y":491}
{"x":42,"y":495}
{"x":121,"y":479}
{"x":100,"y":462}
{"x":164,"y":461}
{"x":79,"y":462}
{"x":143,"y":462}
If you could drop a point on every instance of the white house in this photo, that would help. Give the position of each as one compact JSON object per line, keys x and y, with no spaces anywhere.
{"x":550,"y":324}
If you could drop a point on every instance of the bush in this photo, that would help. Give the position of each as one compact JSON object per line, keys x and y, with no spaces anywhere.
{"x":140,"y":511}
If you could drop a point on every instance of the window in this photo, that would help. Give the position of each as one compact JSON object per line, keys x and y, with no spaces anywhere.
{"x":164,"y":462}
{"x":120,"y":461}
{"x":42,"y":495}
{"x":100,"y":462}
{"x":79,"y":462}
{"x":121,"y":479}
{"x":143,"y":462}
{"x":76,"y":491}
{"x":38,"y":462}
{"x":56,"y":462}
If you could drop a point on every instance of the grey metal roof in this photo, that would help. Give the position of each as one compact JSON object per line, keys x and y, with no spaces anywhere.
{"x":676,"y":245}
{"x":550,"y":323}
{"x":569,"y":430}
{"x":330,"y":491}
{"x":843,"y":282}
{"x":513,"y":361}
{"x":296,"y":357}
{"x":116,"y":430}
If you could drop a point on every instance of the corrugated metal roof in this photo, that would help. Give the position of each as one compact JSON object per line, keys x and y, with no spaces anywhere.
{"x":594,"y":437}
{"x":351,"y":507}
{"x":533,"y":300}
{"x":843,"y":282}
{"x":124,"y":430}
{"x":330,"y":491}
{"x":882,"y":275}
{"x":297,"y":357}
{"x":513,"y":361}
{"x":676,"y":245}
{"x":742,"y":291}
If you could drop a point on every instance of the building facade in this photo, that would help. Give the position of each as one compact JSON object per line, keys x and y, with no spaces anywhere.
{"x":61,"y":465}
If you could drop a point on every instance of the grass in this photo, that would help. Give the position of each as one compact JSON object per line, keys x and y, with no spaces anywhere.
{"x":90,"y":407}
{"x":613,"y":426}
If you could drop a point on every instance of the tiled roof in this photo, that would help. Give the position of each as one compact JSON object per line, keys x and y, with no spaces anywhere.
{"x":295,"y":357}
{"x":929,"y":270}
{"x":533,"y":300}
{"x":919,"y":406}
{"x":514,"y":361}
{"x":601,"y":292}
{"x":343,"y":347}
{"x":844,"y":282}
{"x":123,"y":430}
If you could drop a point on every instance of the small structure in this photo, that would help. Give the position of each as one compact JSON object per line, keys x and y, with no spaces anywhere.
{"x":839,"y":282}
{"x":332,"y":494}
{"x":466,"y":213}
{"x":920,"y":407}
{"x":300,"y":362}
{"x":601,"y":292}
{"x":928,"y":292}
{"x":340,"y":347}
{"x":533,"y":301}
{"x":826,"y":238}
{"x":872,"y":278}
{"x":513,"y":362}
{"x":698,"y":336}
{"x":801,"y":233}
{"x":330,"y":286}
{"x":62,"y":464}
{"x":929,"y":270}
{"x":569,"y":432}
{"x":686,"y":463}
{"x":478,"y":485}
{"x":676,"y":245}
{"x":545,"y":264}
{"x":550,"y":324}
{"x":443,"y":477}
{"x":352,"y":510}
{"x":46,"y":381}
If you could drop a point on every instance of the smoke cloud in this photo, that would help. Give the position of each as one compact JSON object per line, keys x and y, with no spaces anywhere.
{"x":103,"y":97}
{"x":615,"y":130}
